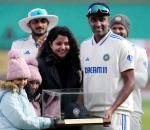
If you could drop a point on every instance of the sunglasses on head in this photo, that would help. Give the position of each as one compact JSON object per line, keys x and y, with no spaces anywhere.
{"x":98,"y":9}
{"x":37,"y":13}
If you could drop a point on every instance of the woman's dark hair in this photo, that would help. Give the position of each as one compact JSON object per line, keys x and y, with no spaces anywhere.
{"x":73,"y":54}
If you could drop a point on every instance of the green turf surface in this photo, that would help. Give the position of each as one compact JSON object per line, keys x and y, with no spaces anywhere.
{"x":146,"y":116}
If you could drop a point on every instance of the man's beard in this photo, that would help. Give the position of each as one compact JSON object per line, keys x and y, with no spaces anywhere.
{"x":39,"y":33}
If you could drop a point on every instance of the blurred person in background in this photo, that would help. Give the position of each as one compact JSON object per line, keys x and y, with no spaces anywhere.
{"x":33,"y":84}
{"x":59,"y":63}
{"x":36,"y":24}
{"x":120,"y":24}
{"x":108,"y":69}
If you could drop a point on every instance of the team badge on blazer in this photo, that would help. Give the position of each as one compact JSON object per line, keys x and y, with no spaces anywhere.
{"x":106,"y":57}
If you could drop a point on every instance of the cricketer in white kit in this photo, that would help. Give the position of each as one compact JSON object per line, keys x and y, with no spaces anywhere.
{"x":102,"y":64}
{"x":37,"y":24}
{"x":120,"y":24}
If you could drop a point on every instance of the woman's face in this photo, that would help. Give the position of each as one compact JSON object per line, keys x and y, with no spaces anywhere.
{"x":60,"y":46}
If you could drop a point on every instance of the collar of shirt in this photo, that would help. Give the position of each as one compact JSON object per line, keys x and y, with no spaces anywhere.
{"x":102,"y":40}
{"x":36,"y":44}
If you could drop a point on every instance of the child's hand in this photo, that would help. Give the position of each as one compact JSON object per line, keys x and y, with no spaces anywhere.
{"x":57,"y":122}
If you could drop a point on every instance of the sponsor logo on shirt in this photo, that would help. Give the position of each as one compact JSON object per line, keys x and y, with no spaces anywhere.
{"x":130,"y":58}
{"x":87,"y":59}
{"x":99,"y":69}
{"x":27,"y":52}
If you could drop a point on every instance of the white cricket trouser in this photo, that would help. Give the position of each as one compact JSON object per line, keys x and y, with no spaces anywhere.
{"x":136,"y":122}
{"x":119,"y":122}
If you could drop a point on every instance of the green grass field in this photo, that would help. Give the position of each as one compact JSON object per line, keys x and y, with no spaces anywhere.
{"x":146,"y":116}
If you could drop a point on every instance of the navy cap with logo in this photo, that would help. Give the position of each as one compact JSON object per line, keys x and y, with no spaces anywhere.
{"x":98,"y":8}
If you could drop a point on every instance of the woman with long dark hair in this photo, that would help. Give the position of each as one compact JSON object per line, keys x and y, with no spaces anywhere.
{"x":59,"y":62}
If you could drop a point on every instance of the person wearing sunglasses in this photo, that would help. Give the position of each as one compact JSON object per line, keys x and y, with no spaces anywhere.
{"x":36,"y":24}
{"x":108,"y":72}
{"x":120,"y":24}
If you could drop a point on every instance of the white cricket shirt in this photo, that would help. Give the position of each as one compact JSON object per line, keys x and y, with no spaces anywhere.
{"x":141,"y":77}
{"x":27,"y":46}
{"x":102,"y":64}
